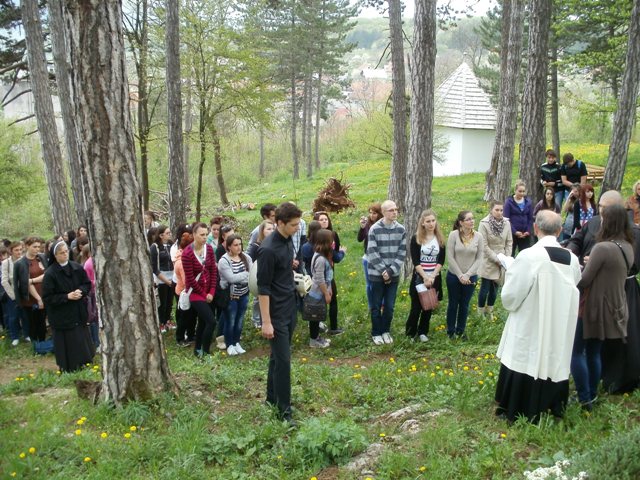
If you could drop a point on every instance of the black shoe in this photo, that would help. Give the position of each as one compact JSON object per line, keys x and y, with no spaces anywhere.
{"x":288,"y":419}
{"x":337,"y":331}
{"x":462,"y":336}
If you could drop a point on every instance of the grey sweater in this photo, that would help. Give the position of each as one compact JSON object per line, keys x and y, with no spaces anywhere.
{"x":386,"y":249}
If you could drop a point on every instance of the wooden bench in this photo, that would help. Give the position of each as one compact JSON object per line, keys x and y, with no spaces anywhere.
{"x":595,"y":174}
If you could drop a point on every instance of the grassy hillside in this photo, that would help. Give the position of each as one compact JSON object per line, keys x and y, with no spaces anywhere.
{"x":219,"y":428}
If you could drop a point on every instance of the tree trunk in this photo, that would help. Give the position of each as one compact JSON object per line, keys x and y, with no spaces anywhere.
{"x":188,"y":128}
{"x":305,"y":112}
{"x":397,"y":181}
{"x":134,"y":359}
{"x":217,"y":158}
{"x":308,"y":125}
{"x":624,"y":119}
{"x":261,"y":172}
{"x":143,"y":103}
{"x":178,"y":199}
{"x":203,"y":155}
{"x":318,"y":105}
{"x":534,"y":98}
{"x":63,"y":79}
{"x":294,"y":128}
{"x":555,"y":108}
{"x":43,"y":106}
{"x":420,"y":165}
{"x":499,"y":181}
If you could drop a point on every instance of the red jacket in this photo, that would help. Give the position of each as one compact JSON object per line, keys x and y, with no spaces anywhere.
{"x":192,"y":267}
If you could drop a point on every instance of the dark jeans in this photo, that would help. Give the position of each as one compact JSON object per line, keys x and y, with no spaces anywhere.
{"x":488,"y":288}
{"x":95,"y":333}
{"x":234,"y":319}
{"x":367,"y":282}
{"x":279,"y":375}
{"x":419,"y":319}
{"x":458,"y":308}
{"x":206,"y":325}
{"x":382,"y":294}
{"x":165,"y":294}
{"x":586,"y":365}
{"x":520,"y":244}
{"x":185,"y":322}
{"x":37,"y":324}
{"x":333,"y":307}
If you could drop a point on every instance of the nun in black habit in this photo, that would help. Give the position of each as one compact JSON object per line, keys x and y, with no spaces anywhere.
{"x":64,"y":292}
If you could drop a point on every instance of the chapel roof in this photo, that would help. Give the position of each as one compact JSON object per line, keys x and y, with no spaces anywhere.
{"x":460,"y":102}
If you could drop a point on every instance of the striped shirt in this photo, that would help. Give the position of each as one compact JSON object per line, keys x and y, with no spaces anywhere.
{"x":386,"y":249}
{"x":429,"y":255}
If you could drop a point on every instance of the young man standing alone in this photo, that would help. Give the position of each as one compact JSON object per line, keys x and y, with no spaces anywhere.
{"x":277,"y":299}
{"x":386,"y":251}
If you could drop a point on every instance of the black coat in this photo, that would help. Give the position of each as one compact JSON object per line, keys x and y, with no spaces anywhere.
{"x":65,"y":314}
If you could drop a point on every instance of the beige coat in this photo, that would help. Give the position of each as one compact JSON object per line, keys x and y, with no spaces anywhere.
{"x":494,"y":245}
{"x":605,"y":313}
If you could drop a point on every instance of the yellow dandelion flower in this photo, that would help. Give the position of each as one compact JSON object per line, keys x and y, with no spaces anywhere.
{"x":356,"y":375}
{"x":13,"y":474}
{"x":625,"y":395}
{"x":491,"y":374}
{"x":127,"y":435}
{"x":22,"y":455}
{"x":31,"y":375}
{"x":87,"y":459}
{"x":304,"y":359}
{"x":392,"y":360}
{"x":422,"y":468}
{"x":476,"y":368}
{"x":503,"y":435}
{"x":32,"y":450}
{"x":313,"y":478}
{"x":84,"y":419}
{"x":382,"y":435}
{"x":78,"y":432}
{"x":437,"y":367}
{"x":279,"y":457}
{"x":480,"y":382}
{"x":331,"y":359}
{"x":465,"y":368}
{"x":104,"y":435}
{"x":80,"y":422}
{"x":133,"y":428}
{"x":356,"y":366}
{"x":433,"y":374}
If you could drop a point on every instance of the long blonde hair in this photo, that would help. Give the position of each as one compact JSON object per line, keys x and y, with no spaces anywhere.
{"x":421,"y":232}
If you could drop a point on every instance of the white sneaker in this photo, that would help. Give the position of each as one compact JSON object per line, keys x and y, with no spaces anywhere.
{"x":423,"y":338}
{"x":231,"y":351}
{"x":15,"y":343}
{"x":377,"y":340}
{"x":239,"y":348}
{"x":220,"y":343}
{"x":318,"y":343}
{"x":386,"y":338}
{"x":323,"y":327}
{"x":27,"y":339}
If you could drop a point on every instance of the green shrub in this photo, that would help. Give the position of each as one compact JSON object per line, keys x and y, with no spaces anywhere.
{"x":326,"y":441}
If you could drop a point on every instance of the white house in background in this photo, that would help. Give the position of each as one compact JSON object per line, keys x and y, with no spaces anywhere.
{"x":467,"y":120}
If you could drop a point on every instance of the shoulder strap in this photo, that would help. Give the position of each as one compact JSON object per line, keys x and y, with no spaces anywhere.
{"x":626,"y":262}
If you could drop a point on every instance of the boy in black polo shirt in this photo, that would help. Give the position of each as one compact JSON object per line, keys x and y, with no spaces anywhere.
{"x":277,"y":299}
{"x":572,"y":171}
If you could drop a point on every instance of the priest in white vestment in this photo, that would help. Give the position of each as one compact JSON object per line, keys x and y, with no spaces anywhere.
{"x":541,"y":297}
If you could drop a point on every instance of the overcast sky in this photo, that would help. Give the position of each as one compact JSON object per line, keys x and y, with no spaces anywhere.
{"x":480,"y":8}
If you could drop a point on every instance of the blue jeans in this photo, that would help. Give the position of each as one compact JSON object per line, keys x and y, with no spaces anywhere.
{"x":234,"y":319}
{"x":586,"y":365}
{"x":12,"y":317}
{"x":459,"y":299}
{"x":382,"y":294}
{"x":95,"y":335}
{"x":488,"y":288}
{"x":367,"y":282}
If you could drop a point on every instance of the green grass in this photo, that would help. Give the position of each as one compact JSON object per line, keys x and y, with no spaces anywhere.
{"x":219,"y":428}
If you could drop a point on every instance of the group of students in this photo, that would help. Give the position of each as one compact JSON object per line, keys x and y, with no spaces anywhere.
{"x":40,"y":284}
